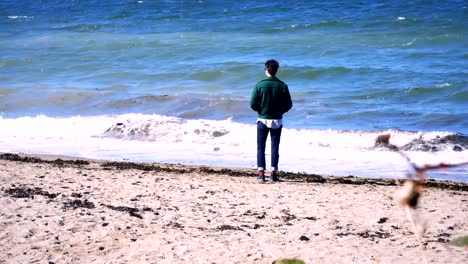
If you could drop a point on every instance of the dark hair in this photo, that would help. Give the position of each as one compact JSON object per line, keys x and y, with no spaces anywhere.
{"x":272,"y":66}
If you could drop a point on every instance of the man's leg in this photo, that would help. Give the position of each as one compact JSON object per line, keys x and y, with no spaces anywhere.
{"x":275,"y":142}
{"x":262,"y":134}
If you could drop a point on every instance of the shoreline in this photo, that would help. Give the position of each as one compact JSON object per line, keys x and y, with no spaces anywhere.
{"x":60,"y":160}
{"x":65,"y":210}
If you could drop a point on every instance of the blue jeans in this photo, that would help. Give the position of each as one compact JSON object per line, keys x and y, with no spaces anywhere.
{"x":262,"y":134}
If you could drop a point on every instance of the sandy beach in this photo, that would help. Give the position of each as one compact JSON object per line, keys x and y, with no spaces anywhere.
{"x":83,"y":211}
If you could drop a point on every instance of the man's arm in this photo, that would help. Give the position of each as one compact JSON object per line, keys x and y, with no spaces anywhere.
{"x":287,"y":100}
{"x":254,"y":104}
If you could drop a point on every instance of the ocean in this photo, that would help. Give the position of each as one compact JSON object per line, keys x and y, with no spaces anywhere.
{"x":170,"y":81}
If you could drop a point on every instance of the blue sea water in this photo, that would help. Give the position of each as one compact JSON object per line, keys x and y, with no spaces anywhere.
{"x":353,"y":67}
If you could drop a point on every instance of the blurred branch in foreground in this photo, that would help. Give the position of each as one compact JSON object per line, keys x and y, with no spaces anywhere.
{"x":409,"y":193}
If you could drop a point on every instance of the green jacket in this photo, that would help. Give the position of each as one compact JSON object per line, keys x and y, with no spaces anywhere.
{"x":271,"y":98}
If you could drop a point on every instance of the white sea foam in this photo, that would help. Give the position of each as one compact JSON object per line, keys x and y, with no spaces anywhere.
{"x":443,"y":85}
{"x":16,"y":17}
{"x":154,"y":138}
{"x":410,"y":43}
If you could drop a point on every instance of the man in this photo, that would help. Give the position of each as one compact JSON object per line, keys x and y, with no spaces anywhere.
{"x":270,"y":99}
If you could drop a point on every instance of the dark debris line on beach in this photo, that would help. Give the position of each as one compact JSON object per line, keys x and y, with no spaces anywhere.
{"x":132,"y":211}
{"x":26,"y":192}
{"x":181,"y":169}
{"x":77,"y":203}
{"x":57,"y":162}
{"x":155,"y":168}
{"x":31,"y":192}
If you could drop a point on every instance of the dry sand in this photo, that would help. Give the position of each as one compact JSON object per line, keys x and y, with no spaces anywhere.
{"x":97,"y":212}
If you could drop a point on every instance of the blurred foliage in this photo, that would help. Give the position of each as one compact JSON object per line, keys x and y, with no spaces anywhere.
{"x":460,"y":241}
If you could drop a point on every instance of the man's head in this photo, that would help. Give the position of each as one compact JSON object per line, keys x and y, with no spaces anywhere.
{"x":272,"y":67}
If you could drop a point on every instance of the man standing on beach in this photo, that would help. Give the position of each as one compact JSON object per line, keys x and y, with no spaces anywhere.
{"x":270,"y":99}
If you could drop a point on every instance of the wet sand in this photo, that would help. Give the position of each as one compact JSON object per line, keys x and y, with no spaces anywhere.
{"x":63,"y":210}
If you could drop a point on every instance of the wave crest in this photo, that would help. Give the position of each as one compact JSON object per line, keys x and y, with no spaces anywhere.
{"x":456,"y":142}
{"x":167,"y":130}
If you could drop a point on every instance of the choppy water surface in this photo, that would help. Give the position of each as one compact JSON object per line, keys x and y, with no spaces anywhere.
{"x":353,"y":68}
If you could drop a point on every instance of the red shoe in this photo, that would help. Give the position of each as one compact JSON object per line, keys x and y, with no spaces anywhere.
{"x":261,"y":177}
{"x":274,"y":176}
